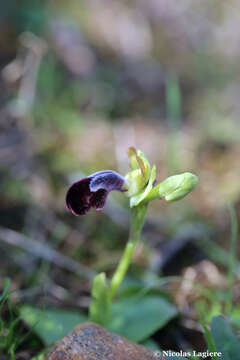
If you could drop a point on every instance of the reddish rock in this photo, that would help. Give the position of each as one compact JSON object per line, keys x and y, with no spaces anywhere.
{"x":90,"y":341}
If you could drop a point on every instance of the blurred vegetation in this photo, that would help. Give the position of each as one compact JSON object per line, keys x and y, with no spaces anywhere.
{"x":81,"y":81}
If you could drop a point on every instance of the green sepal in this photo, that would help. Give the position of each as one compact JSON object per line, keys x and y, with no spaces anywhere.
{"x":139,"y":176}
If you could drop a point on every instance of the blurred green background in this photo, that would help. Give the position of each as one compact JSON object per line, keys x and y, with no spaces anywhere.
{"x":81,"y":81}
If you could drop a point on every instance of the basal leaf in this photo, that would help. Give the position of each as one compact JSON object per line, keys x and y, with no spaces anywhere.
{"x":51,"y":324}
{"x":137,"y":317}
{"x":225,"y":341}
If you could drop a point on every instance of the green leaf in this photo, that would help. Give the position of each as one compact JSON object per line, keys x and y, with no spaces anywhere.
{"x":51,"y":324}
{"x":138,"y":317}
{"x":100,"y":303}
{"x":224,"y":339}
{"x":209,"y":340}
{"x":235,"y":317}
{"x":6,"y":287}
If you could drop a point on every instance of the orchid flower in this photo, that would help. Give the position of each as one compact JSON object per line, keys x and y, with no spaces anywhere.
{"x":139,"y":185}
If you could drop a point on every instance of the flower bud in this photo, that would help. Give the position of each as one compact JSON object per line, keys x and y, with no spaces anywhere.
{"x":174,"y":187}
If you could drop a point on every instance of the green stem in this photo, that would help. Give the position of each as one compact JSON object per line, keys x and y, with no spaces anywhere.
{"x":138,"y":214}
{"x":173,"y":102}
{"x":232,"y":259}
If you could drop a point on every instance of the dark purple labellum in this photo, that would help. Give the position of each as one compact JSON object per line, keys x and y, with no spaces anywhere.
{"x":92,"y":191}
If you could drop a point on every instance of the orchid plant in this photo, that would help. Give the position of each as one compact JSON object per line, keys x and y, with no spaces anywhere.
{"x":139,"y":185}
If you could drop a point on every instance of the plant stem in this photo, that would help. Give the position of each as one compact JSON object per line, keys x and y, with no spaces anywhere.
{"x":232,"y":259}
{"x":173,"y":103}
{"x":138,"y":214}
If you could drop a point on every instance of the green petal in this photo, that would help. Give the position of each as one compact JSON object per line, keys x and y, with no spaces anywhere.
{"x":135,"y":200}
{"x":134,"y":182}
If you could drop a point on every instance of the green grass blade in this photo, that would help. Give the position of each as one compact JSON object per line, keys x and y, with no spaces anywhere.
{"x":5,"y":292}
{"x":232,"y":258}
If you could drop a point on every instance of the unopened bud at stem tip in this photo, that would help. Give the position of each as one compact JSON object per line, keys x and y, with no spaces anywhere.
{"x":174,"y":187}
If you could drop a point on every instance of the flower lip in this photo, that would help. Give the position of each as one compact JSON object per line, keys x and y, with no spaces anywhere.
{"x":106,"y":179}
{"x":92,"y":191}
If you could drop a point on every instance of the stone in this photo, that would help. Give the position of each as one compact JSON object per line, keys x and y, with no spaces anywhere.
{"x":90,"y":341}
